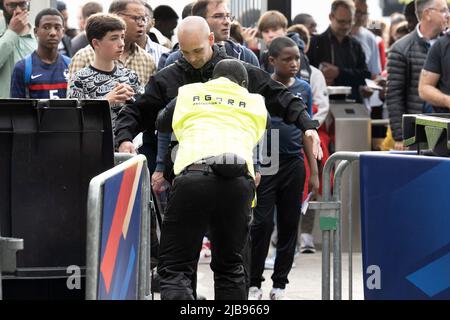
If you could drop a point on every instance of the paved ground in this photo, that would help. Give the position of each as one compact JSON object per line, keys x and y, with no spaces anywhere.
{"x":305,"y":279}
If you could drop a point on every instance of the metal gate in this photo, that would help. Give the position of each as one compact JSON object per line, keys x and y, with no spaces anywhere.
{"x":247,"y":12}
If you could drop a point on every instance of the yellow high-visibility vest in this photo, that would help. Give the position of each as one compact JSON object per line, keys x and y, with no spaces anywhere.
{"x":215,"y":118}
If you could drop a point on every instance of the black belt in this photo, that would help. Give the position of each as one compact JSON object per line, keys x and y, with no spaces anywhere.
{"x":205,"y":168}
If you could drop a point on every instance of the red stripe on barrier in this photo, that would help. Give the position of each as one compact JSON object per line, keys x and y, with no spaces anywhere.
{"x":112,"y":245}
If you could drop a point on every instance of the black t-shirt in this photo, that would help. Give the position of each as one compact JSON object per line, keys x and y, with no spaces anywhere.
{"x":438,"y":62}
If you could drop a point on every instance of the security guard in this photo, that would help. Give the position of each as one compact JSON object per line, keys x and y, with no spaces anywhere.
{"x":200,"y":55}
{"x":217,"y":124}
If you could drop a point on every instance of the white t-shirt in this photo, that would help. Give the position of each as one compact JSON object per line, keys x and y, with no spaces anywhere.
{"x":319,"y":95}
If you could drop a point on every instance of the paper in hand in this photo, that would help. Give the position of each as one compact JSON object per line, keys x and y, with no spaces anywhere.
{"x":305,"y":203}
{"x":373,"y":85}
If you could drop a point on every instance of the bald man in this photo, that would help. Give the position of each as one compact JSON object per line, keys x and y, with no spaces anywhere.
{"x":200,"y":55}
{"x":217,"y":15}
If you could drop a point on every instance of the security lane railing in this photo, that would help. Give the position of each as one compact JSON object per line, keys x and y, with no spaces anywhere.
{"x":118,"y":232}
{"x":330,"y":208}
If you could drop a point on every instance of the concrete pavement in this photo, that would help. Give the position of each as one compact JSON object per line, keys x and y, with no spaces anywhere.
{"x":304,"y":279}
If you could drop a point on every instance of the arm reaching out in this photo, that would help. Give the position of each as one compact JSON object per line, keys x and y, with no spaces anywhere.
{"x":311,"y":137}
{"x":313,"y":183}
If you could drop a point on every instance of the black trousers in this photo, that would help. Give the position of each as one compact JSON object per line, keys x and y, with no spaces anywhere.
{"x":198,"y":202}
{"x":284,"y":189}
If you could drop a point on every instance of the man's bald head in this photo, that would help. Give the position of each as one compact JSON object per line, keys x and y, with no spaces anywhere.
{"x":193,"y":26}
{"x":195,"y":40}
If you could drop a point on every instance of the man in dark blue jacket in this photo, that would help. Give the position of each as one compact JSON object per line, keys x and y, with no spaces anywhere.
{"x":219,"y":19}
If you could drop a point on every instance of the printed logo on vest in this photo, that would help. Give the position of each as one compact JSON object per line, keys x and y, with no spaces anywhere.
{"x":209,"y":99}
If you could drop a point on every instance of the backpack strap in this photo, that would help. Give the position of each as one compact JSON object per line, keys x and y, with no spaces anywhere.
{"x":67,"y":60}
{"x":27,"y":77}
{"x":28,"y":68}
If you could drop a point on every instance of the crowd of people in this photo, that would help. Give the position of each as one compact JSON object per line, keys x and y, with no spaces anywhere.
{"x":217,"y":88}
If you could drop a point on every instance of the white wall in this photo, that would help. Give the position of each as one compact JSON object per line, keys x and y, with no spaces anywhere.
{"x":36,"y":6}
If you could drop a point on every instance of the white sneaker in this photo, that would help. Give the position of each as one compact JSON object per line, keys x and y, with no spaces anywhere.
{"x":254,"y":293}
{"x":277,"y":294}
{"x":269,"y":263}
{"x":307,"y":243}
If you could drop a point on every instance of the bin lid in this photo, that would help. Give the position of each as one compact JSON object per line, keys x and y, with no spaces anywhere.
{"x":349,"y":110}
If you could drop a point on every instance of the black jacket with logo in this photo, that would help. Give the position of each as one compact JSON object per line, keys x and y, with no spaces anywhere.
{"x":163,"y":87}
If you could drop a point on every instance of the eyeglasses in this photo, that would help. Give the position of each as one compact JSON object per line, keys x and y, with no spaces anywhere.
{"x":222,"y":17}
{"x":137,"y":19}
{"x":24,"y":5}
{"x":443,"y":11}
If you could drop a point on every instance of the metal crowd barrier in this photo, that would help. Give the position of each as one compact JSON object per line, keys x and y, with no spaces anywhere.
{"x":118,"y":232}
{"x":331,"y":224}
{"x":120,"y":157}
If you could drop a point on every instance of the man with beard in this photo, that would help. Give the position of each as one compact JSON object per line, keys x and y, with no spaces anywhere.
{"x":16,"y":40}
